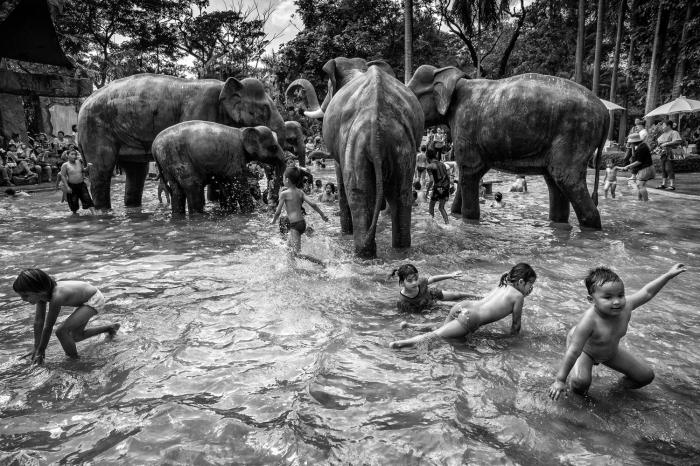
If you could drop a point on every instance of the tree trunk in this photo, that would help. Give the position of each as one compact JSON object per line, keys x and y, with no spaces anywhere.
{"x":408,"y":40}
{"x":598,"y":46}
{"x":578,"y":76}
{"x":659,"y":40}
{"x":682,"y":55}
{"x":616,"y":61}
{"x":630,"y":66}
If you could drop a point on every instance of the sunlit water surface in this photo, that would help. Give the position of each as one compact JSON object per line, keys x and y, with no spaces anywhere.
{"x":225,"y":354}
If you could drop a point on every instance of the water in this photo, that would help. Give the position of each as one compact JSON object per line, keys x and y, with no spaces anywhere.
{"x":225,"y":355}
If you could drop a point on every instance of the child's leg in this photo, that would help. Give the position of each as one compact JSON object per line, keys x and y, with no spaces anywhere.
{"x":73,"y":329}
{"x":419,"y":327}
{"x":294,"y":241}
{"x":580,"y":376}
{"x":612,"y":190}
{"x":443,"y":211}
{"x":637,"y":372}
{"x":431,"y":207}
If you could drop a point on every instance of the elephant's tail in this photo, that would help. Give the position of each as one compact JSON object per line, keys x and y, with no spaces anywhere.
{"x":161,"y":174}
{"x":377,"y":158}
{"x":596,"y":163}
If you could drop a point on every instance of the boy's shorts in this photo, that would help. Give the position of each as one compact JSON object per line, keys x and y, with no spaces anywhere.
{"x":97,"y":301}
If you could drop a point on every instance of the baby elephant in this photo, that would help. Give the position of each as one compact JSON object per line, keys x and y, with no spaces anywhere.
{"x":192,"y":154}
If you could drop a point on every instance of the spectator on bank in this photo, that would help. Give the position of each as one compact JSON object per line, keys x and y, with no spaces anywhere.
{"x":669,"y":140}
{"x":22,"y":174}
{"x":5,"y":173}
{"x":638,"y":126}
{"x":60,"y":142}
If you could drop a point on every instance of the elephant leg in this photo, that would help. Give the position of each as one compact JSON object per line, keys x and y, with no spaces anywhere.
{"x":195,"y":198}
{"x":177,"y":198}
{"x":575,"y":189}
{"x":467,"y":199}
{"x":559,"y":206}
{"x":361,"y":200}
{"x":103,"y":159}
{"x":136,"y":173}
{"x":345,"y":216}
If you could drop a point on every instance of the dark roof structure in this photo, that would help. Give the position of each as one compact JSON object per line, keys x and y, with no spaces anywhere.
{"x":27,"y":33}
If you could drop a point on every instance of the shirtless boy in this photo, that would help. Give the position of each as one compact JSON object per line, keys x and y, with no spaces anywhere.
{"x":76,"y":190}
{"x":596,"y":338}
{"x":292,"y":199}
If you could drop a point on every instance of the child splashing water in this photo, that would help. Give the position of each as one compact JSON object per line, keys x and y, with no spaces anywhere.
{"x":292,"y":199}
{"x":415,"y":296}
{"x":465,"y":317}
{"x":37,"y":287}
{"x":596,"y":338}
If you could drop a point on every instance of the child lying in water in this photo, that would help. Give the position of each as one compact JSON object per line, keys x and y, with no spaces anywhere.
{"x":596,"y":338}
{"x":415,"y":296}
{"x":467,"y":316}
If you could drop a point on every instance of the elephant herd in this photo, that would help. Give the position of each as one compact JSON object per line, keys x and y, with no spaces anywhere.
{"x":204,"y":130}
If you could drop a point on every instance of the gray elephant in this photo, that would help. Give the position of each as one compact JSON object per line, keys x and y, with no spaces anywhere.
{"x":295,"y":141}
{"x":372,"y":125}
{"x":528,"y":124}
{"x":118,"y":123}
{"x":192,"y":153}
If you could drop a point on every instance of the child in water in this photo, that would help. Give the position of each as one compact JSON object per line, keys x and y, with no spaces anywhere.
{"x":328,"y":196}
{"x":498,"y":201}
{"x":610,"y":180}
{"x":519,"y":185}
{"x":415,"y":296}
{"x":37,"y":287}
{"x":596,"y":338}
{"x":467,"y":316}
{"x":292,"y":199}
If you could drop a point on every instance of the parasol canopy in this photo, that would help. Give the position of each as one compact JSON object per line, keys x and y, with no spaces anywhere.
{"x":680,"y":105}
{"x":611,"y":106}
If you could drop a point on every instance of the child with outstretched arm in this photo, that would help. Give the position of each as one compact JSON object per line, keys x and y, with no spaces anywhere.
{"x":596,"y":338}
{"x":291,"y":200}
{"x":467,"y":316}
{"x":416,"y":296}
{"x":37,"y":287}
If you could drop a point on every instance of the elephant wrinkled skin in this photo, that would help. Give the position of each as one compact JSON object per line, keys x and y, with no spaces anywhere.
{"x":526,"y":124}
{"x":119,"y":122}
{"x":189,"y":154}
{"x":372,"y":125}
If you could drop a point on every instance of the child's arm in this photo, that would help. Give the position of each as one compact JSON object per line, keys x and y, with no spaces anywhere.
{"x":45,"y":336}
{"x":438,"y":278}
{"x":573,"y":351}
{"x":314,"y":206}
{"x":517,"y":314}
{"x":650,"y":290}
{"x":39,"y":318}
{"x":280,"y":204}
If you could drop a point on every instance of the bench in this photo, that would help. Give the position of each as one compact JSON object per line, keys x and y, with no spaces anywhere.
{"x":488,"y":186}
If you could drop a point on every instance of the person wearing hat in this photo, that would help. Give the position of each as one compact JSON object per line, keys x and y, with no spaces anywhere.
{"x":668,"y":140}
{"x":640,"y":164}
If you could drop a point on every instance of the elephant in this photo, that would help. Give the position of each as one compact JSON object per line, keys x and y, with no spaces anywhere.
{"x":294,"y":141}
{"x":526,"y":124}
{"x":119,"y":122}
{"x":372,"y":125}
{"x":191,"y":153}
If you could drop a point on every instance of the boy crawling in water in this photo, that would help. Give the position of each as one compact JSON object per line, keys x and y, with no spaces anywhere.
{"x":596,"y":338}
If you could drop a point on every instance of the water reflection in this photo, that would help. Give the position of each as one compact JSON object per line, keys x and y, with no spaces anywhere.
{"x":225,"y":354}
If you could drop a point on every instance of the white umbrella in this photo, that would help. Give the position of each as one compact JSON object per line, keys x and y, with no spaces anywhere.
{"x":680,"y":105}
{"x":611,"y":106}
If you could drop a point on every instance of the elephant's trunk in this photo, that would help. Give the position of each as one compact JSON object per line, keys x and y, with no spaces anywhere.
{"x":314,"y":110}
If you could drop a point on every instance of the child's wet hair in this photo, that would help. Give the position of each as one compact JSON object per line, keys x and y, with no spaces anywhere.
{"x":330,"y":183}
{"x":293,"y":174}
{"x":599,"y":277}
{"x":417,"y":186}
{"x":403,"y":272}
{"x":498,"y":196}
{"x":34,"y":281}
{"x":521,"y":270}
{"x":319,"y":183}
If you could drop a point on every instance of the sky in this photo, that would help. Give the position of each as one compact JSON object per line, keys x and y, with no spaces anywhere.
{"x":280,"y":21}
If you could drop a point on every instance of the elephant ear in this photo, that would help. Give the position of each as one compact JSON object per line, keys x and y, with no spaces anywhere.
{"x":384,"y":66}
{"x":251,"y":140}
{"x":444,"y":83}
{"x":231,"y":90}
{"x":329,"y":69}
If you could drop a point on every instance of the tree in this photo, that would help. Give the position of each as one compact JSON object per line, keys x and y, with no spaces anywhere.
{"x":681,"y":63}
{"x":580,"y":37}
{"x":598,"y":46}
{"x":408,"y":40}
{"x":616,"y":58}
{"x":658,"y":48}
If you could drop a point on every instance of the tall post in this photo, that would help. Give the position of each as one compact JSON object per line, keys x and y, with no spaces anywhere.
{"x":578,"y":76}
{"x":408,"y":40}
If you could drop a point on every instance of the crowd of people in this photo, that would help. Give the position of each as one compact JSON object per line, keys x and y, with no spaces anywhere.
{"x":35,"y":160}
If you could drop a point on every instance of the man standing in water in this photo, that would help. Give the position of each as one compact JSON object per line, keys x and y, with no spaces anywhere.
{"x":72,"y":173}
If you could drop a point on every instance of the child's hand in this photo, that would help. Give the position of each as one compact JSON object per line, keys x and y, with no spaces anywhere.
{"x":556,"y":389}
{"x":272,"y":222}
{"x":457,"y":274}
{"x":676,"y":270}
{"x":324,"y":217}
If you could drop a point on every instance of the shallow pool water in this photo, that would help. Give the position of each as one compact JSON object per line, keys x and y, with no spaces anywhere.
{"x":226,"y":355}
